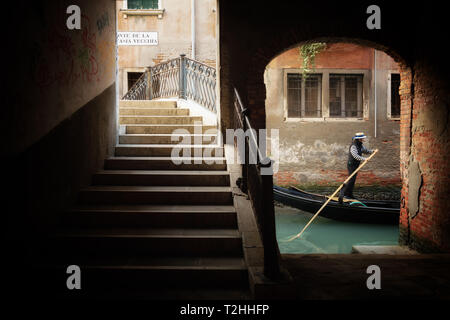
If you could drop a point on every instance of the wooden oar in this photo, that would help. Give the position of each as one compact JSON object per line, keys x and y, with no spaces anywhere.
{"x":321,"y":195}
{"x":343,"y":200}
{"x":329,"y":198}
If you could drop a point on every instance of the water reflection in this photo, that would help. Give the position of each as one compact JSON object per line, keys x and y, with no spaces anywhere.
{"x":326,"y":235}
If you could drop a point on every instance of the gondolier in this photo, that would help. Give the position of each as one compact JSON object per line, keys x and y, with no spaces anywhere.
{"x":355,"y":157}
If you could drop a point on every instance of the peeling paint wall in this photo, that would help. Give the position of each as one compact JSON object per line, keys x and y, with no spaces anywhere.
{"x":316,"y":152}
{"x":426,"y":223}
{"x":414,"y":185}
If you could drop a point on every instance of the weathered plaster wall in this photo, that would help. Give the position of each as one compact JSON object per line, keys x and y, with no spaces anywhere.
{"x":174,"y":36}
{"x":316,"y":152}
{"x":60,"y":112}
{"x":53,"y":71}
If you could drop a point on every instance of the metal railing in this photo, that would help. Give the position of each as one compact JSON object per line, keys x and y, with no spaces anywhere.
{"x":165,"y":79}
{"x":258,"y":187}
{"x":200,"y":83}
{"x":139,"y":89}
{"x":180,"y":77}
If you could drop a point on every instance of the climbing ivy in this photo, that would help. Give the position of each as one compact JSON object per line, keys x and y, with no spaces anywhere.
{"x":308,"y":53}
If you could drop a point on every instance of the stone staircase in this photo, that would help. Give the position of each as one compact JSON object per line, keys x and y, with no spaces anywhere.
{"x":148,"y":228}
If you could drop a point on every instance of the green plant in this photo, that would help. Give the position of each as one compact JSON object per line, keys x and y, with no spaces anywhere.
{"x":308,"y":53}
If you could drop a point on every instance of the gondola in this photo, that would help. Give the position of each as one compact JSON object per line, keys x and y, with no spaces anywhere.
{"x":361,"y":211}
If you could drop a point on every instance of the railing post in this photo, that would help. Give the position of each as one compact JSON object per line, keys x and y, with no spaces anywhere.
{"x":271,"y":251}
{"x":246,"y":153}
{"x":182,"y":93}
{"x":148,"y":71}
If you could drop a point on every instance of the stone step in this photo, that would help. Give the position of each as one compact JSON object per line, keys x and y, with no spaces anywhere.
{"x":165,"y":163}
{"x":154,"y":272}
{"x":144,"y":242}
{"x":167,"y":150}
{"x":161,"y":120}
{"x":147,"y":104}
{"x":156,"y":195}
{"x":51,"y":290}
{"x":155,"y":216}
{"x":170,"y":129}
{"x":167,"y":138}
{"x":153,"y":112}
{"x":161,"y":178}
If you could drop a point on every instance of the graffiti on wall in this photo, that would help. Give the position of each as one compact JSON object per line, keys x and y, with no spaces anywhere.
{"x":103,"y":22}
{"x":87,"y":53}
{"x":65,"y":57}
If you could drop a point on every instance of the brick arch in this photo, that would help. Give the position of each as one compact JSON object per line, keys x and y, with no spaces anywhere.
{"x":251,"y":35}
{"x":256,"y":91}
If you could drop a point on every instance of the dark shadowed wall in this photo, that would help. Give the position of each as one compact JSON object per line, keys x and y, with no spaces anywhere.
{"x":59,"y":112}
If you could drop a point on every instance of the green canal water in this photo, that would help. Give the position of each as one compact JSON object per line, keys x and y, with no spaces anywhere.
{"x":326,"y":235}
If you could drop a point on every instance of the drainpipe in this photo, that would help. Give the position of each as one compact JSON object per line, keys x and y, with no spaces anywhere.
{"x":375,"y":89}
{"x":193,"y":28}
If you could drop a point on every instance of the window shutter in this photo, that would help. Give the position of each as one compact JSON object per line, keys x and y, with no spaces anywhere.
{"x":395,"y":95}
{"x":294,"y":87}
{"x":142,"y":4}
{"x":134,"y":4}
{"x":150,"y":4}
{"x":345,"y":95}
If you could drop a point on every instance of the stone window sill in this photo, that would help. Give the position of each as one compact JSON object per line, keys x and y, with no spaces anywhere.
{"x":142,"y":12}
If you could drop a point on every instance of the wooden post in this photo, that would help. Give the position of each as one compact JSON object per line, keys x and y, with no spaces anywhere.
{"x":246,"y":153}
{"x":271,"y":251}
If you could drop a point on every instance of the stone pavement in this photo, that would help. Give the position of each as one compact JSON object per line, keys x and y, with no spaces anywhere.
{"x":343,"y":276}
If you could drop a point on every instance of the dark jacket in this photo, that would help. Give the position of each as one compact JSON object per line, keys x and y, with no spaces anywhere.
{"x":352,"y":162}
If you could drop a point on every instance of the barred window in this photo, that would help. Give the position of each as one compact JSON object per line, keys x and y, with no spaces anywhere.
{"x":395,"y":95}
{"x":142,"y":4}
{"x":304,"y":98}
{"x":345,"y":93}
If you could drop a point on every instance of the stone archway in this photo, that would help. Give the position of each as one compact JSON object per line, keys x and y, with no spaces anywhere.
{"x":256,"y":92}
{"x":251,"y":35}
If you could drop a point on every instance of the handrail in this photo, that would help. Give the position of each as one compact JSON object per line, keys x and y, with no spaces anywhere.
{"x":244,"y":113}
{"x":179,"y":77}
{"x":259,"y":188}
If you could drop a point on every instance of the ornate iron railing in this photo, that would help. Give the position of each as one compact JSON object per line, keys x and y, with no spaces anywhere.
{"x":257,"y":182}
{"x":139,"y":89}
{"x":164,"y":79}
{"x":200,"y":83}
{"x":180,"y":77}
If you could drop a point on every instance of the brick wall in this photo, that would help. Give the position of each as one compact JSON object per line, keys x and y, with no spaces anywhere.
{"x":425,"y":136}
{"x":405,"y":142}
{"x":327,"y":177}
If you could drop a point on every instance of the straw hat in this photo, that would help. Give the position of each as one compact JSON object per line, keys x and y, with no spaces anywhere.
{"x":360,"y":135}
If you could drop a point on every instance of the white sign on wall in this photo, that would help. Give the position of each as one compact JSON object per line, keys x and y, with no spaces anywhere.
{"x":137,"y":38}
